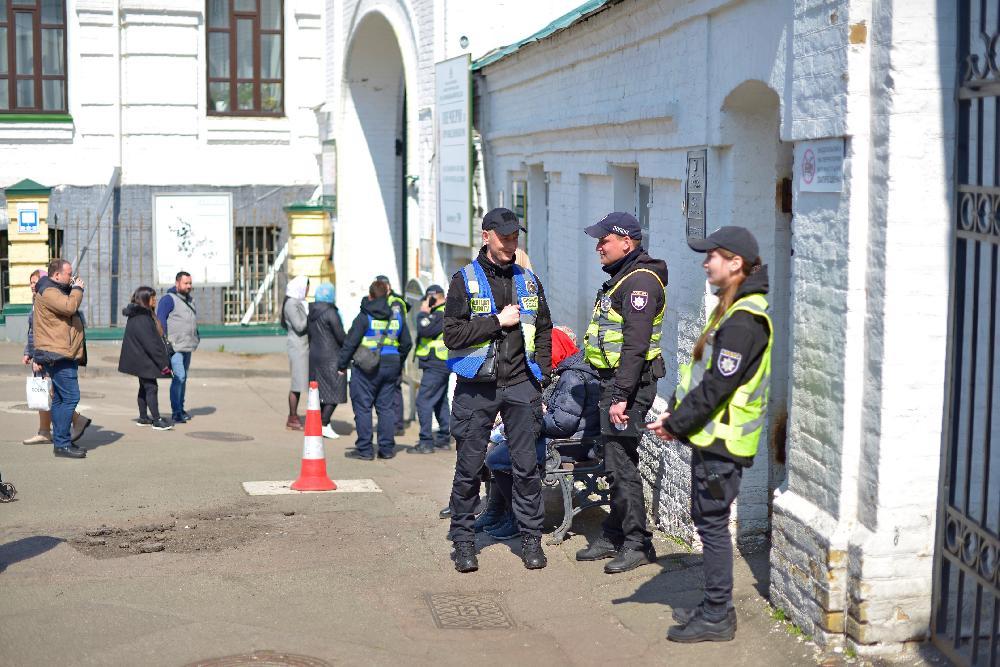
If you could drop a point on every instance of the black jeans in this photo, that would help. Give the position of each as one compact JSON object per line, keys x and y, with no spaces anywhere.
{"x":626,"y":523}
{"x":473,"y":412}
{"x":149,"y":398}
{"x":711,"y":519}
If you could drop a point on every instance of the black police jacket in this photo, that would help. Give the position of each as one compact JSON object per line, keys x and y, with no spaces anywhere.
{"x":379,"y":309}
{"x":638,"y":300}
{"x":461,"y":330}
{"x":430,"y":325}
{"x":743,"y":336}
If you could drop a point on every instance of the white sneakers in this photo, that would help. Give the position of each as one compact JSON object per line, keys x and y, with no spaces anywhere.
{"x":328,"y":432}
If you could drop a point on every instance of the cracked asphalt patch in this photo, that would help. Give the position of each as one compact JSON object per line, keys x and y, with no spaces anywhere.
{"x":210,"y":531}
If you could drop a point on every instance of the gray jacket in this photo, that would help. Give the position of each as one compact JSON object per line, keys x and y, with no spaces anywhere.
{"x":182,"y":324}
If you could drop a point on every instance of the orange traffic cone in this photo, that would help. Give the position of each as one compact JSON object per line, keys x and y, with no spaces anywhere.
{"x":313,"y":476}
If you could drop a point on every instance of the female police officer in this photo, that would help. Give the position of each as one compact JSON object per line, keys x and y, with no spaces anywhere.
{"x":718,"y":409}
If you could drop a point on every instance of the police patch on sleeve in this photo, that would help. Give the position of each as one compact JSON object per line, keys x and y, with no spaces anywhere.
{"x":424,"y":321}
{"x":729,"y":362}
{"x":639,"y":299}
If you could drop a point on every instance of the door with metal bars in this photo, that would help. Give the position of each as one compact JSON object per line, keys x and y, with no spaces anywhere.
{"x":965,"y":622}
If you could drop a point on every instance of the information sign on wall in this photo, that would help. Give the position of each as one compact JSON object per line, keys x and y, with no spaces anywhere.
{"x":819,"y":165}
{"x":695,"y":190}
{"x":453,"y":141}
{"x":27,"y":218}
{"x":193,"y":232}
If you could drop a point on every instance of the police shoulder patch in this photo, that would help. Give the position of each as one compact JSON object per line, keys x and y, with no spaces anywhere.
{"x":424,"y":321}
{"x":639,"y":299}
{"x":729,"y":362}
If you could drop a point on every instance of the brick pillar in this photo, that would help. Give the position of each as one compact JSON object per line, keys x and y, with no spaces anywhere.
{"x":28,"y":235}
{"x":310,"y":242}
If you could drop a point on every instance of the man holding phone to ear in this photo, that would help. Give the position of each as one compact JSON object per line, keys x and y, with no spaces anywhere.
{"x":432,"y":355}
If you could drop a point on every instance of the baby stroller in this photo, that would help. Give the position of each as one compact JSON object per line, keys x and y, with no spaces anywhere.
{"x":7,"y":491}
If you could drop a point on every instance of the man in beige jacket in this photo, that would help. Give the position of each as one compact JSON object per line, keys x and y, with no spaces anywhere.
{"x":60,"y":347}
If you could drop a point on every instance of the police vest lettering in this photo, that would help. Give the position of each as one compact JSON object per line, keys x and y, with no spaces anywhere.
{"x":468,"y":361}
{"x":435,"y":345}
{"x":740,"y":420}
{"x":387,"y":330}
{"x":605,"y":335}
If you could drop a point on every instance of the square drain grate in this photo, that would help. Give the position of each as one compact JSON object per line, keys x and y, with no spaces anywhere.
{"x":461,"y":611}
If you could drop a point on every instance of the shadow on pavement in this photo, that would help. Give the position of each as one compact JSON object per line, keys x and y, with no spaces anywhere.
{"x":202,"y":411}
{"x":25,"y":548}
{"x":98,"y":436}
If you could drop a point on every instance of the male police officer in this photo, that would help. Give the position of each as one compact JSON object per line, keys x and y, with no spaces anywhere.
{"x":623,"y":344}
{"x":399,"y":307}
{"x":498,"y":332}
{"x":432,"y":355}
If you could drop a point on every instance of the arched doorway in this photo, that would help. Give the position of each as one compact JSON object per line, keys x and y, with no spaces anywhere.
{"x":755,"y":172}
{"x":371,"y":161}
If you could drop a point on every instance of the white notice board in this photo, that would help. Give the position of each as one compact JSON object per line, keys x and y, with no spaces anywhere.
{"x":193,"y":232}
{"x":819,"y":165}
{"x":453,"y":141}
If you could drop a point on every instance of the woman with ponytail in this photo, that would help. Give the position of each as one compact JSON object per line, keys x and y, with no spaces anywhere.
{"x":718,"y":409}
{"x":145,"y":355}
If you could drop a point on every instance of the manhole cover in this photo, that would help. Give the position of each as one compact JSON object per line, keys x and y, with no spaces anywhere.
{"x":262,"y":659}
{"x":219,"y":436}
{"x":468,"y":612}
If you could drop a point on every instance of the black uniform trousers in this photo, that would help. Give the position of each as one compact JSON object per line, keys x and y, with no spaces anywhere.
{"x":711,"y":519}
{"x":626,"y":523}
{"x":473,"y":411}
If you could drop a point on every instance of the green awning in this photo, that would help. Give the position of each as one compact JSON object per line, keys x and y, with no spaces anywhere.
{"x":584,"y":11}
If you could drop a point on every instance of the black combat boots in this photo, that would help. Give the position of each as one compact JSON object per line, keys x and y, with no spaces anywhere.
{"x":465,"y":557}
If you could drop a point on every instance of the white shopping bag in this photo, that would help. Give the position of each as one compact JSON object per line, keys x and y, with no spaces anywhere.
{"x":37,"y":389}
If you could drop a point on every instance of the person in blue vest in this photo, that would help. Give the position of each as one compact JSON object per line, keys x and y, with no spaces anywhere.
{"x":377,"y":327}
{"x":398,"y":304}
{"x":719,"y":409}
{"x":498,"y":332}
{"x":432,"y":355}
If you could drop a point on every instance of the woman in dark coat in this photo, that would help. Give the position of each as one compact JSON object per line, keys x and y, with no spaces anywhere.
{"x":326,"y":335}
{"x":144,"y":354}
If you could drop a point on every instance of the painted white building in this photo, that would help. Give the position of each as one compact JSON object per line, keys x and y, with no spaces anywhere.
{"x":184,"y":96}
{"x":379,"y":120}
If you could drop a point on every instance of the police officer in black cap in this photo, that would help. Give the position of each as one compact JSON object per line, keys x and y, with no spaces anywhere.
{"x":432,"y":356}
{"x":623,"y":345}
{"x":398,"y":305}
{"x":498,"y":332}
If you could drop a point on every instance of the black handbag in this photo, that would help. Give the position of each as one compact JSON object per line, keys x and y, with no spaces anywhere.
{"x":368,"y":359}
{"x":488,"y":371}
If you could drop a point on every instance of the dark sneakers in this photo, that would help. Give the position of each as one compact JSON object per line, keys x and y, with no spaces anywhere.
{"x":391,"y":454}
{"x":71,"y":452}
{"x":531,"y":552}
{"x":506,"y":529}
{"x":701,"y":629}
{"x":602,"y":548}
{"x":143,"y":421}
{"x":355,"y":454}
{"x":422,"y":449}
{"x":178,"y":418}
{"x":629,"y":558}
{"x":161,"y":424}
{"x":465,"y":557}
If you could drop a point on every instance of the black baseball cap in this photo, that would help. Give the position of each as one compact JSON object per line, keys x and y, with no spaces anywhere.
{"x":737,"y":240}
{"x":622,"y":224}
{"x":382,"y":279}
{"x":503,"y":221}
{"x":434,"y":289}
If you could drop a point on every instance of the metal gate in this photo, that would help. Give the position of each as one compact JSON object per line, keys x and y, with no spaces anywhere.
{"x":966,"y":602}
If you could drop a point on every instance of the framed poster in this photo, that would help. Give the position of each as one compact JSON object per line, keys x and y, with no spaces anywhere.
{"x":453,"y":147}
{"x":193,"y":232}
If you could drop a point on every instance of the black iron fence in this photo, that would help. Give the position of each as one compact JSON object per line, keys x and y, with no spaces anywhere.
{"x":966,"y":613}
